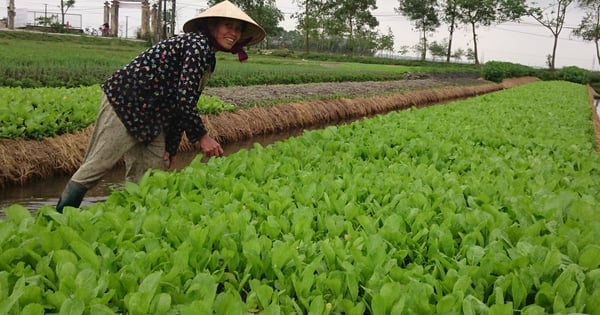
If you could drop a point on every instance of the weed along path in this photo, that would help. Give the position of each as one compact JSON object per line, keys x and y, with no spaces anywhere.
{"x":33,"y":173}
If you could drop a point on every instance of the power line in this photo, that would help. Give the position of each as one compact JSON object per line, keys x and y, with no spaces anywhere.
{"x":539,"y":35}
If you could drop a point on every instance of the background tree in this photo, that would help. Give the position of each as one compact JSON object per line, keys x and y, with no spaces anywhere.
{"x":449,"y":15}
{"x":386,"y":42}
{"x":309,"y":19}
{"x":351,"y":17}
{"x":424,"y":16}
{"x":366,"y":42}
{"x":403,"y":50}
{"x":289,"y":40}
{"x":487,"y":12}
{"x":470,"y":54}
{"x":475,"y":13}
{"x":264,"y":12}
{"x":589,"y":27}
{"x":45,"y":20}
{"x":458,"y":54}
{"x":438,"y":49}
{"x":417,"y":48}
{"x":270,"y":18}
{"x":552,"y":18}
{"x":65,"y":5}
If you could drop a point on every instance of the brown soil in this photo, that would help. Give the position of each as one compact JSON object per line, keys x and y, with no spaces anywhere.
{"x":297,"y":106}
{"x":241,"y":96}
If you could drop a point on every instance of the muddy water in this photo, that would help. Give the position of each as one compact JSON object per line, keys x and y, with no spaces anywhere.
{"x":46,"y":192}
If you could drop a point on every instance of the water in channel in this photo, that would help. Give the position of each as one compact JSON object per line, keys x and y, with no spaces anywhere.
{"x":47,"y":191}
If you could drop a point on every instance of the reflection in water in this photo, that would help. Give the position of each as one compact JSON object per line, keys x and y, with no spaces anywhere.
{"x":46,"y":192}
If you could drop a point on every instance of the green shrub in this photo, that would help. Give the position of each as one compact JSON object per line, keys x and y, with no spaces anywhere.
{"x":285,"y":53}
{"x":594,"y":76}
{"x":573,"y":74}
{"x":496,"y":71}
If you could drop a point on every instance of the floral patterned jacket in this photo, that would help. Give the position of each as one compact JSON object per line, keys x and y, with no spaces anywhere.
{"x":158,"y":91}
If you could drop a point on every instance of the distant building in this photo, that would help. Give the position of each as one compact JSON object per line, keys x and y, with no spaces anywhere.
{"x":3,"y":23}
{"x":21,"y":17}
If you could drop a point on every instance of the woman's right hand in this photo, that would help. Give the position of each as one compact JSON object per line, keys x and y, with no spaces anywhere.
{"x":209,"y":146}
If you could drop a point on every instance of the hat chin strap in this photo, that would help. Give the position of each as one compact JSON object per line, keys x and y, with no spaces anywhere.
{"x":238,"y":48}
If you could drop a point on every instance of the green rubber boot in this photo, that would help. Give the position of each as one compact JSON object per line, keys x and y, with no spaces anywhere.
{"x":72,"y":196}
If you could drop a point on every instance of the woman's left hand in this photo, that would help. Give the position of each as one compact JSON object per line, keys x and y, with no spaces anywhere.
{"x":168,"y":160}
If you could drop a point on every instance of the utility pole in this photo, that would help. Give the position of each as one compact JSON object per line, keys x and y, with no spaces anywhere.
{"x":11,"y":14}
{"x":173,"y":18}
{"x":164,"y":31}
{"x":126,"y":25}
{"x":62,"y":12}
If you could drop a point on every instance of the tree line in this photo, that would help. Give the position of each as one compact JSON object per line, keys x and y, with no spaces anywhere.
{"x":349,"y":26}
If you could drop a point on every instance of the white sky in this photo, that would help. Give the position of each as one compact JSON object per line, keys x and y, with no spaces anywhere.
{"x":527,"y":42}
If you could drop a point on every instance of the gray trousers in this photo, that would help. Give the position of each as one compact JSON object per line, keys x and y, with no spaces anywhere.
{"x":109,"y":143}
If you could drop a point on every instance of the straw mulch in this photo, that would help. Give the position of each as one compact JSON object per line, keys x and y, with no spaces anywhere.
{"x":26,"y":160}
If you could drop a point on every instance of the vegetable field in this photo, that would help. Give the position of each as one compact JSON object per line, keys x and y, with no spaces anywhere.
{"x":46,"y":60}
{"x":48,"y":112}
{"x":483,"y":206}
{"x":27,"y":113}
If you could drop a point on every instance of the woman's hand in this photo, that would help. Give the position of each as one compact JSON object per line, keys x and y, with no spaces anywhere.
{"x":209,"y":146}
{"x":168,"y":160}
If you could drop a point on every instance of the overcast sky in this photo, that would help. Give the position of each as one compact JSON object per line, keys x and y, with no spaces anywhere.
{"x":526,"y":42}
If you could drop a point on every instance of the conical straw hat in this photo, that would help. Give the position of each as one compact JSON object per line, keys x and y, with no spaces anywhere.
{"x":253,"y":33}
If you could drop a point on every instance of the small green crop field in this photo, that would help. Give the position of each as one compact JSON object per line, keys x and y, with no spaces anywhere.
{"x":482,"y":206}
{"x":44,"y":60}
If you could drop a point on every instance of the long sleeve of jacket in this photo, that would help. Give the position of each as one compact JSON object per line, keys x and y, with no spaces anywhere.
{"x":194,"y":72}
{"x":158,"y":91}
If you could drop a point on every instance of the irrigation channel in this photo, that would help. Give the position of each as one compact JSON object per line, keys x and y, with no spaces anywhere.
{"x":46,"y":192}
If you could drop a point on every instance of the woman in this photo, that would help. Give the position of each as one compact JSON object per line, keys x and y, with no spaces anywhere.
{"x":104,"y":29}
{"x":149,"y":103}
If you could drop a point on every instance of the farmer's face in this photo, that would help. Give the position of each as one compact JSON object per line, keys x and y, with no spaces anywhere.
{"x":227,"y":32}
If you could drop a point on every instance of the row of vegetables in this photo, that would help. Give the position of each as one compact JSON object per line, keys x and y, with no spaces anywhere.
{"x":483,"y":206}
{"x":46,"y":112}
